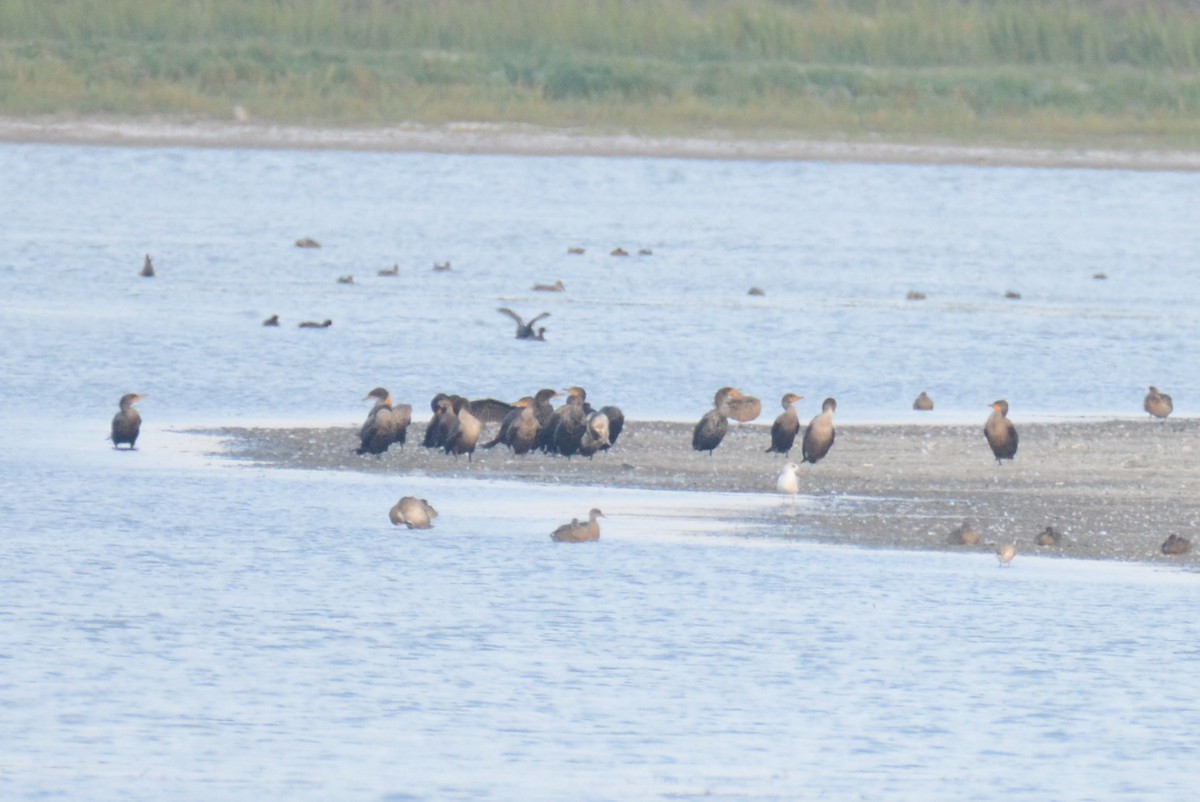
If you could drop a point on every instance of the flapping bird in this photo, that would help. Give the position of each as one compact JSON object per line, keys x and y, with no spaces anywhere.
{"x":526,"y":331}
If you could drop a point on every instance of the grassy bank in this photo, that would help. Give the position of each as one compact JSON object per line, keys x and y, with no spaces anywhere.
{"x":1118,"y":73}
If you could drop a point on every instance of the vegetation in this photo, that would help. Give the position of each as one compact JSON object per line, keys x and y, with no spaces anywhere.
{"x":1117,"y":72}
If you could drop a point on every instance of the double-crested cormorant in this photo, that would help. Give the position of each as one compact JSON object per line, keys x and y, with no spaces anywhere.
{"x":557,"y":286}
{"x":786,"y":426}
{"x":309,"y":324}
{"x":127,"y":423}
{"x":413,"y":512}
{"x":273,"y":320}
{"x":1176,"y":545}
{"x":542,"y":407}
{"x":923,"y":403}
{"x":525,"y":331}
{"x":307,"y":242}
{"x":818,"y":437}
{"x":1005,"y":553}
{"x":147,"y":268}
{"x":616,"y":423}
{"x":464,"y":433}
{"x":434,"y":436}
{"x":394,"y":270}
{"x":595,"y":434}
{"x":489,"y":410}
{"x":744,"y":408}
{"x":1157,"y":403}
{"x":788,"y":481}
{"x":711,"y":429}
{"x":965,"y":535}
{"x":519,"y":429}
{"x":379,"y":429}
{"x":576,"y":532}
{"x":1048,"y":537}
{"x":1001,"y":434}
{"x":568,"y":423}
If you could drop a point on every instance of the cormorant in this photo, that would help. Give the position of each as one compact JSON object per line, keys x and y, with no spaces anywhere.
{"x":464,"y":433}
{"x":434,"y":436}
{"x":576,"y":532}
{"x":147,"y":268}
{"x":127,"y":423}
{"x":1001,"y":434}
{"x":569,"y":423}
{"x":525,"y":331}
{"x":786,"y":426}
{"x":273,"y":320}
{"x":711,"y":429}
{"x":595,"y":434}
{"x":379,"y":429}
{"x":616,"y":423}
{"x":818,"y":437}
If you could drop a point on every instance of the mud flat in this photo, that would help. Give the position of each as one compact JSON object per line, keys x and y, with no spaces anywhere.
{"x":1115,"y":489}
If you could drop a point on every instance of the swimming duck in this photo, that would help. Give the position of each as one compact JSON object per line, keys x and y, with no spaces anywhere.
{"x":127,"y":423}
{"x":576,"y":532}
{"x":443,"y":267}
{"x":575,"y":250}
{"x":147,"y":268}
{"x":309,"y":324}
{"x":413,"y":512}
{"x":557,"y":286}
{"x":345,"y":279}
{"x":307,"y":242}
{"x":1000,"y":432}
{"x":273,"y":320}
{"x":819,"y":436}
{"x":619,"y":252}
{"x":394,"y":270}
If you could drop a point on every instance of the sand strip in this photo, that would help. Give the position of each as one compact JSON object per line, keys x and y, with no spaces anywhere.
{"x":1116,"y":489}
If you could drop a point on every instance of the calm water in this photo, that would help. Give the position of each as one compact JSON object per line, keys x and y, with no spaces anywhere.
{"x":173,"y":627}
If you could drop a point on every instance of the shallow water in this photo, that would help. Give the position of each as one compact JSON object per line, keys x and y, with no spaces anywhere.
{"x":174,"y":627}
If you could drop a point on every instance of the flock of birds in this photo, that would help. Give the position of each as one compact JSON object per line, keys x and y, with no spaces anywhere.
{"x":575,"y":427}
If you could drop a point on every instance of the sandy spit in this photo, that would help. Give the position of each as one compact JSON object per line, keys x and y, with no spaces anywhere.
{"x":525,"y":140}
{"x":1115,"y":489}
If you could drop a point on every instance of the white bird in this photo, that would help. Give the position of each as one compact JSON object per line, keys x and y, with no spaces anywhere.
{"x":1005,"y":553}
{"x":788,"y":481}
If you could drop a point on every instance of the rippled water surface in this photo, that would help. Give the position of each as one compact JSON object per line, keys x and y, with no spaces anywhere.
{"x":176,"y":628}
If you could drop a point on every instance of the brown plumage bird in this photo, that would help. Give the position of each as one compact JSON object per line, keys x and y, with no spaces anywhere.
{"x":526,"y":330}
{"x":744,"y":408}
{"x":413,"y":512}
{"x":786,"y":426}
{"x":464,"y":434}
{"x":310,"y":324}
{"x":595,"y":434}
{"x":576,"y":532}
{"x":1176,"y":545}
{"x":127,"y":423}
{"x":819,"y":436}
{"x":378,"y":431}
{"x":1048,"y":537}
{"x":147,"y":268}
{"x":1000,"y":433}
{"x":273,"y":320}
{"x":568,"y":424}
{"x":965,"y":535}
{"x":1005,"y":553}
{"x":1157,"y":403}
{"x":711,"y":428}
{"x":923,"y":403}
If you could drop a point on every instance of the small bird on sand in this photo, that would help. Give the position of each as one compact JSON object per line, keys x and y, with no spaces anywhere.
{"x":576,"y":532}
{"x":1158,"y":404}
{"x":1048,"y":537}
{"x":413,"y":512}
{"x":1005,"y":553}
{"x":1176,"y":545}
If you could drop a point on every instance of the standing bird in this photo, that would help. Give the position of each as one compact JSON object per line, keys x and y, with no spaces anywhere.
{"x":402,"y":414}
{"x":568,"y":424}
{"x":818,"y":437}
{"x":128,"y":422}
{"x":576,"y":532}
{"x":543,"y":410}
{"x":1005,"y":553}
{"x":413,"y":512}
{"x":379,"y":429}
{"x":434,"y":436}
{"x":520,"y":428}
{"x":526,"y":331}
{"x":147,"y":268}
{"x":923,"y":403}
{"x":1048,"y":537}
{"x":711,"y":429}
{"x":1158,"y":404}
{"x":595,"y":434}
{"x":464,"y":434}
{"x":1001,"y":434}
{"x":786,"y":426}
{"x":616,"y":423}
{"x":788,"y":481}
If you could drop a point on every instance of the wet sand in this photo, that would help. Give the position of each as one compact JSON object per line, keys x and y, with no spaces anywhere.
{"x":525,"y":140}
{"x":1115,"y":488}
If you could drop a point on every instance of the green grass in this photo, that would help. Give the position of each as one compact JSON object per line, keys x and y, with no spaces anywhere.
{"x":1122,"y":73}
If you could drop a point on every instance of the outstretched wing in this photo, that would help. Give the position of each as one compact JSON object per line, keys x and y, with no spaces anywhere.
{"x":489,"y":410}
{"x":505,"y":310}
{"x":539,"y":317}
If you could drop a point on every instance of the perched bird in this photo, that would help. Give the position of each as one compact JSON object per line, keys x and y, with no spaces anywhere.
{"x":489,"y":410}
{"x":307,"y":242}
{"x":1176,"y":545}
{"x":519,"y":429}
{"x":744,"y":408}
{"x":525,"y":331}
{"x":147,"y":268}
{"x":379,"y":429}
{"x":402,"y":415}
{"x":786,"y":426}
{"x":788,"y":481}
{"x":127,"y":423}
{"x":1001,"y":434}
{"x":273,"y":320}
{"x":818,"y":437}
{"x":923,"y":403}
{"x":557,"y":286}
{"x":542,"y":408}
{"x":711,"y":428}
{"x":1158,"y":404}
{"x":394,"y":270}
{"x":965,"y":535}
{"x":413,"y":512}
{"x":1048,"y":537}
{"x":439,"y":425}
{"x":309,"y":324}
{"x":464,"y":433}
{"x":1005,"y":553}
{"x":576,"y":532}
{"x":595,"y":434}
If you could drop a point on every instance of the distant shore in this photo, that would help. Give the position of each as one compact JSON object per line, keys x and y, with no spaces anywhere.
{"x":1115,"y":489}
{"x":469,"y":138}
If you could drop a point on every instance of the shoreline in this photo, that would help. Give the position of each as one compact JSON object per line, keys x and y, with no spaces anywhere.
{"x":523,"y":140}
{"x":1116,"y":488}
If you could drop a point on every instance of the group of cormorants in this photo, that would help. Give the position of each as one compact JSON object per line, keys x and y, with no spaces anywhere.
{"x":732,"y":403}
